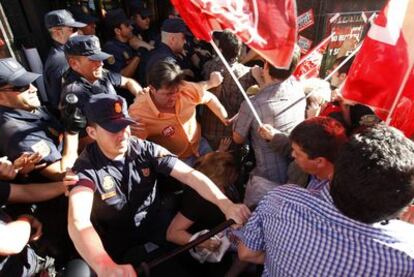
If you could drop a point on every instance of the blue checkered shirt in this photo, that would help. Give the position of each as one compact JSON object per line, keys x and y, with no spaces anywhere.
{"x":303,"y":234}
{"x":281,"y":105}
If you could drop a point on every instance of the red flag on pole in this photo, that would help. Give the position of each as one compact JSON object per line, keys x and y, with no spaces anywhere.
{"x":382,"y":74}
{"x":267,"y":26}
{"x":310,"y":64}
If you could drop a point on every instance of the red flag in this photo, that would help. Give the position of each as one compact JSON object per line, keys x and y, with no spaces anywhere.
{"x":385,"y":59}
{"x":310,"y":64}
{"x":267,"y":26}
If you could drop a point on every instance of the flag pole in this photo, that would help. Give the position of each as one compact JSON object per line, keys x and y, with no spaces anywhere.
{"x":226,"y":64}
{"x":399,"y":94}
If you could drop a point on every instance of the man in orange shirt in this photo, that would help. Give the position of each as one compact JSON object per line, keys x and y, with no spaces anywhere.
{"x":168,"y":110}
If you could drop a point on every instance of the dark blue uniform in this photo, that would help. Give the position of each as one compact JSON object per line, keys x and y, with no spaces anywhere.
{"x":24,"y":131}
{"x":121,"y":53}
{"x":125,"y":193}
{"x":55,"y":66}
{"x":83,"y":89}
{"x":162,"y":53}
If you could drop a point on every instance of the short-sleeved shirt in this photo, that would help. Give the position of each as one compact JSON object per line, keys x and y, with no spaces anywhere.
{"x":122,"y":53}
{"x":24,"y":131}
{"x":55,"y":66}
{"x":303,"y":234}
{"x":124,"y":190}
{"x":229,"y":96}
{"x":83,"y":89}
{"x":282,"y":106}
{"x":179,"y":133}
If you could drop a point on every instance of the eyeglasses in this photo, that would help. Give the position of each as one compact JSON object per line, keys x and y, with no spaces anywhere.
{"x":16,"y":88}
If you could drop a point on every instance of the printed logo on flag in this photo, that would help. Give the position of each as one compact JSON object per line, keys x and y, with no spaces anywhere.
{"x":305,"y":20}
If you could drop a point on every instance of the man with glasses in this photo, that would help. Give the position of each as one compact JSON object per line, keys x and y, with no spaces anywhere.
{"x":26,"y":126}
{"x":60,"y":24}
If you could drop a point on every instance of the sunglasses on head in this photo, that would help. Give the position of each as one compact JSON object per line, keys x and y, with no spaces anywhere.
{"x":17,"y":88}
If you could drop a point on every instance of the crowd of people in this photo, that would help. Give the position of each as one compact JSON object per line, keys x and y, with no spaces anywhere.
{"x":146,"y":143}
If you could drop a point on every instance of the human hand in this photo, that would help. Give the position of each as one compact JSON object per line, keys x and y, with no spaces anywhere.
{"x":135,"y":42}
{"x":266,"y":131}
{"x":28,"y":162}
{"x":215,"y":79}
{"x":257,"y":72}
{"x":238,"y":212}
{"x":212,"y":244}
{"x":7,"y":169}
{"x":224,"y":144}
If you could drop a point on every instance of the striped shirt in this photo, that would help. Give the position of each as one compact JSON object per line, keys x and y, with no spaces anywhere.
{"x":303,"y":234}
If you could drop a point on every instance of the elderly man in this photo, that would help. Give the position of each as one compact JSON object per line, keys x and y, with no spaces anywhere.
{"x":113,"y":206}
{"x":168,"y":110}
{"x":60,"y":24}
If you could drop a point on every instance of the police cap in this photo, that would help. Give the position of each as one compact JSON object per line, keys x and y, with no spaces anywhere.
{"x":61,"y":18}
{"x":175,"y":25}
{"x":108,"y":111}
{"x":116,"y":17}
{"x":140,"y":8}
{"x":88,"y":46}
{"x":11,"y":72}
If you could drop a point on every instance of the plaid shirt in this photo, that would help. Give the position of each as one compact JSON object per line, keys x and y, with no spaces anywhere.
{"x":228,"y":94}
{"x":303,"y":234}
{"x":281,"y":105}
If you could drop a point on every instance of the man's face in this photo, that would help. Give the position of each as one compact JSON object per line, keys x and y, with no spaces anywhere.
{"x":125,"y":31}
{"x":302,"y":159}
{"x":165,"y":98}
{"x":143,"y":22}
{"x":66,"y":32}
{"x":89,"y":30}
{"x":24,"y":97}
{"x":89,"y":69}
{"x":113,"y":145}
{"x":178,"y":43}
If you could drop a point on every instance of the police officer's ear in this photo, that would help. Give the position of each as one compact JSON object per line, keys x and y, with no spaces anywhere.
{"x":91,"y":132}
{"x":73,"y":62}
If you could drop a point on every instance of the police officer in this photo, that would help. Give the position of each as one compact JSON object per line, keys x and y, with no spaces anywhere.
{"x":117,"y":190}
{"x":171,"y":48}
{"x":81,"y":14}
{"x":86,"y":75}
{"x":26,"y":126}
{"x":141,"y":24}
{"x":60,"y":24}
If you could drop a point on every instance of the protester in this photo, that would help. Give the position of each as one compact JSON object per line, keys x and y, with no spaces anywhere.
{"x":168,"y":110}
{"x":356,"y":214}
{"x":280,"y":103}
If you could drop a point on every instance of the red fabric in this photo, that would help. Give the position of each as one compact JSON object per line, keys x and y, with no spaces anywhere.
{"x":386,"y":56}
{"x":267,"y":26}
{"x":310,"y":64}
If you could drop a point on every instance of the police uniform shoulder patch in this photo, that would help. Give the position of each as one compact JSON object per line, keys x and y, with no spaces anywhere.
{"x":111,"y":60}
{"x":108,"y":186}
{"x":108,"y":183}
{"x":42,"y":148}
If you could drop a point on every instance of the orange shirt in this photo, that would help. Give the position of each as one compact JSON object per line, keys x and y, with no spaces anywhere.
{"x":179,"y":133}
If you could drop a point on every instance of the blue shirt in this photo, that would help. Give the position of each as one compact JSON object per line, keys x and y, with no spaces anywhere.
{"x":24,"y":131}
{"x":282,"y":106}
{"x":316,"y":184}
{"x":303,"y":234}
{"x":124,"y":190}
{"x":55,"y":66}
{"x":122,"y":52}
